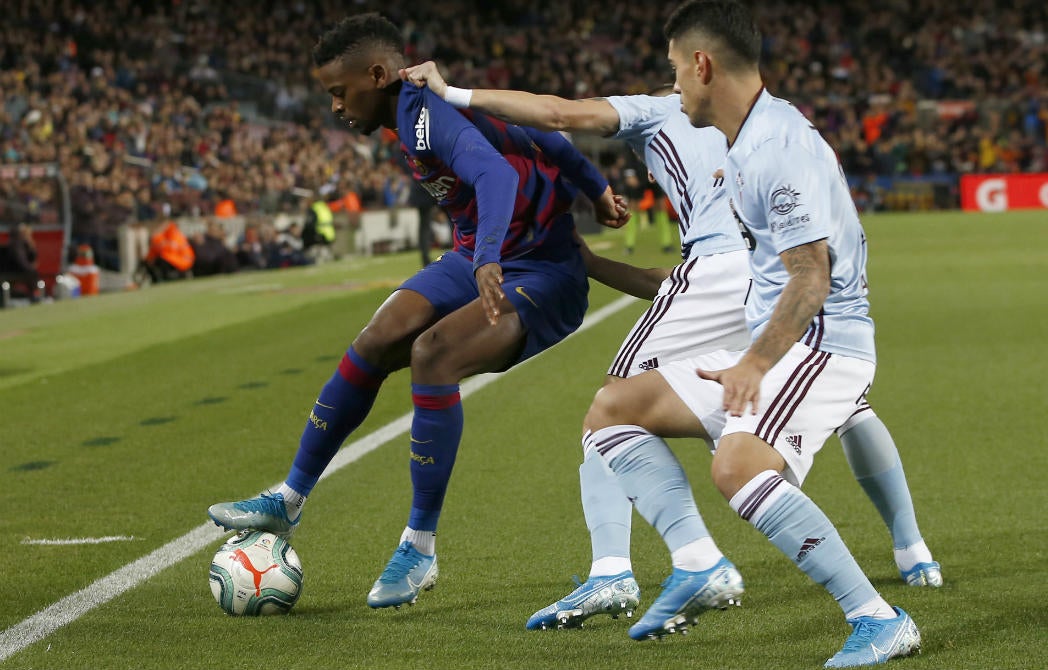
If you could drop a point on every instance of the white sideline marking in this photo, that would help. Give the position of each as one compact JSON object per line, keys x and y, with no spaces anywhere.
{"x":72,"y":607}
{"x":81,"y":540}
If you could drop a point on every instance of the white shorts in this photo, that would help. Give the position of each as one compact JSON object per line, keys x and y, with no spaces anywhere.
{"x":704,"y":398}
{"x":700,"y":307}
{"x":804,"y":398}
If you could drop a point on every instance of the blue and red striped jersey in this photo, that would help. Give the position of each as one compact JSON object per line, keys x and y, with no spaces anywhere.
{"x":504,"y":187}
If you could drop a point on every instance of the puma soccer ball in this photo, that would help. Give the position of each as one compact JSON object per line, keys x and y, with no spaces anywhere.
{"x":256,"y":573}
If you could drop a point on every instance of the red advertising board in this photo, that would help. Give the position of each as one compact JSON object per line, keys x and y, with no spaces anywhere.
{"x":49,"y":261}
{"x":1002,"y":192}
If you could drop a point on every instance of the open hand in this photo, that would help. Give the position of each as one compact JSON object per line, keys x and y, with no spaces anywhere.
{"x":742,"y":386}
{"x":489,"y":283}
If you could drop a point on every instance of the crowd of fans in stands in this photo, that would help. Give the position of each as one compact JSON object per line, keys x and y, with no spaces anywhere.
{"x":151,"y":117}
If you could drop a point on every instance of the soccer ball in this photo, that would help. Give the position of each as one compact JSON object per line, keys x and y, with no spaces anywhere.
{"x":255,"y":573}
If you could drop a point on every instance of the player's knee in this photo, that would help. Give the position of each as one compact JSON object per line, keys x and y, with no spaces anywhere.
{"x":433,"y":353}
{"x":739,"y":458}
{"x":731,"y":469}
{"x":377,"y":344}
{"x":609,"y":408}
{"x":728,"y":474}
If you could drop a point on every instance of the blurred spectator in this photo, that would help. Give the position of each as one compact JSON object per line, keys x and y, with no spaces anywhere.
{"x":868,"y":196}
{"x":318,"y":230}
{"x":423,"y":202}
{"x":211,"y":255}
{"x":170,"y":254}
{"x":18,"y":262}
{"x":289,"y":249}
{"x":150,"y":116}
{"x":251,"y":252}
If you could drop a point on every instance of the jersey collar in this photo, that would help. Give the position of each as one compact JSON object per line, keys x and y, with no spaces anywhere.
{"x":759,"y":102}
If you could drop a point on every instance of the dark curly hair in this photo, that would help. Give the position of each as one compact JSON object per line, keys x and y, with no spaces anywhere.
{"x":355,"y":33}
{"x":728,"y":22}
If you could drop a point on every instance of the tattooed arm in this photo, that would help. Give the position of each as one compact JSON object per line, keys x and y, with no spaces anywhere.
{"x":801,"y":299}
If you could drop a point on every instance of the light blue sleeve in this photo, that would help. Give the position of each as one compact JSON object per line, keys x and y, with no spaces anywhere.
{"x":793,"y":192}
{"x":641,"y":116}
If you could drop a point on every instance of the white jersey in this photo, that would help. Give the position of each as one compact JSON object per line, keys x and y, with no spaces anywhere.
{"x":788,"y":189}
{"x":682,"y":159}
{"x":699,"y":308}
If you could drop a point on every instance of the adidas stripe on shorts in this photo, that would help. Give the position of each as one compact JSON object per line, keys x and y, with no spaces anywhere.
{"x":804,"y":398}
{"x":700,"y":308}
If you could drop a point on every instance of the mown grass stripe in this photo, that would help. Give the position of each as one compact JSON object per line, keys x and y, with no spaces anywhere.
{"x":72,"y":607}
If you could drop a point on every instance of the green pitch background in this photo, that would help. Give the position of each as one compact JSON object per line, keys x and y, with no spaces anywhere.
{"x":129,"y":414}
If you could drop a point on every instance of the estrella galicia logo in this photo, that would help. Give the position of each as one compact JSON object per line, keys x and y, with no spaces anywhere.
{"x":784,"y":200}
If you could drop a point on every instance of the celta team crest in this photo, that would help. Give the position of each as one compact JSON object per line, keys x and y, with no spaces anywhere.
{"x":784,"y":200}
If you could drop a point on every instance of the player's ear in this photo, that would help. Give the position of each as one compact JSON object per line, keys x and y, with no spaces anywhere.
{"x":379,"y":74}
{"x":703,"y":66}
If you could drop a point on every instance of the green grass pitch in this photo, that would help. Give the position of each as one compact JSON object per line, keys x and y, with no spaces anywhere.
{"x":127,"y":415}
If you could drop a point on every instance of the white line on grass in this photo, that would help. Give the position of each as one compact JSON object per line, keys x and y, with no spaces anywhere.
{"x":80,"y":540}
{"x":73,"y":606}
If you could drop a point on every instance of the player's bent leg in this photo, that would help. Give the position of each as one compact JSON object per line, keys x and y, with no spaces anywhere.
{"x":875,"y":462}
{"x":386,"y":341}
{"x":738,"y":459}
{"x":610,"y":588}
{"x":654,"y":480}
{"x":645,"y":400}
{"x":343,"y":403}
{"x":460,"y":344}
{"x":798,"y":528}
{"x":464,"y":343}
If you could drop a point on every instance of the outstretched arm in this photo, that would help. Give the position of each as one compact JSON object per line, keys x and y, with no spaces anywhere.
{"x":545,"y":112}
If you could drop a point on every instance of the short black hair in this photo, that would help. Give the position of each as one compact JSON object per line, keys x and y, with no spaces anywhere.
{"x":727,"y":21}
{"x":355,"y":33}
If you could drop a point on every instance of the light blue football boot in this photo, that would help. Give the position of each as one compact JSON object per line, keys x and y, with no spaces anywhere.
{"x":685,"y":595}
{"x":614,"y":595}
{"x":875,"y":641}
{"x":408,"y":572}
{"x":923,"y":574}
{"x":266,"y":512}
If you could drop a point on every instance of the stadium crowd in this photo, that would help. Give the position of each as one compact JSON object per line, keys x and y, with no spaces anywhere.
{"x":150,"y":117}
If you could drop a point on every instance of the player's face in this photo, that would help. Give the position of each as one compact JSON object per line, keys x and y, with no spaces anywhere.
{"x":693,"y":99}
{"x":356,"y":90}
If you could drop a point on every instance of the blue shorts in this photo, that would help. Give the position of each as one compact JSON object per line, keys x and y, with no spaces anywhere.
{"x":550,"y":295}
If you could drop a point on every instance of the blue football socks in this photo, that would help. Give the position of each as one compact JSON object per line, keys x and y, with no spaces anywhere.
{"x":436,"y":430}
{"x":343,"y":404}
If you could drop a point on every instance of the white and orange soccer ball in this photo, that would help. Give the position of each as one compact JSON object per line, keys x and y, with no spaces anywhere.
{"x":256,"y":573}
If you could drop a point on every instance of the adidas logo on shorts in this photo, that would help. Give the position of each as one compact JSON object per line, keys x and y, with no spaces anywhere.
{"x":649,"y":364}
